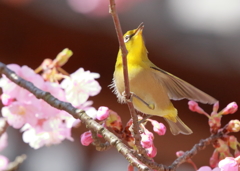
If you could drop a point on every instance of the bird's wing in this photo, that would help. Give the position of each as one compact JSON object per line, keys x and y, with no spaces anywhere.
{"x":179,"y":89}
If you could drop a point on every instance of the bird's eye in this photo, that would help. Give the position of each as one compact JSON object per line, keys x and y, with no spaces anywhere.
{"x":126,"y":38}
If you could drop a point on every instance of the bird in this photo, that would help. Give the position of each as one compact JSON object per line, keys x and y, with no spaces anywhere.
{"x":152,"y":88}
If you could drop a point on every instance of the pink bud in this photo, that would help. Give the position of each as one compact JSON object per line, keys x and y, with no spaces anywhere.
{"x":159,"y":128}
{"x":229,"y":163}
{"x":151,"y":151}
{"x":234,"y":126}
{"x":215,"y":107}
{"x":193,"y":106}
{"x":214,"y":159}
{"x":86,"y":138}
{"x":230,"y":109}
{"x":102,"y":113}
{"x":179,"y":153}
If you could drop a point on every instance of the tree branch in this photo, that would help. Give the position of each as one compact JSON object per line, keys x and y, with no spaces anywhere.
{"x":76,"y":113}
{"x":124,"y":51}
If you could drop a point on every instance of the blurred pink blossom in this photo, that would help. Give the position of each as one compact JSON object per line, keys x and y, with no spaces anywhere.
{"x":99,"y":7}
{"x":80,"y":85}
{"x":228,"y":164}
{"x":207,"y":168}
{"x":3,"y":163}
{"x":18,"y":114}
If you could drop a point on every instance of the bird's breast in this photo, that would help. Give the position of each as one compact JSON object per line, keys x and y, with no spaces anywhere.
{"x":145,"y":86}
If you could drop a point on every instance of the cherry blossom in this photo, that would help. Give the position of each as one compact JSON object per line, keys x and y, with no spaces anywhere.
{"x":80,"y":85}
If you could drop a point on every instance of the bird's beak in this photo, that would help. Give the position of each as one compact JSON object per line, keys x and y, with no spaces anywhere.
{"x":139,"y":29}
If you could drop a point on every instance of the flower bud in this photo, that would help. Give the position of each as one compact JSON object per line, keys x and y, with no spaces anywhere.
{"x":214,"y":159}
{"x":102,"y":113}
{"x":234,"y":126}
{"x":193,"y":106}
{"x":159,"y":128}
{"x":86,"y":138}
{"x":151,"y":151}
{"x":230,"y":109}
{"x":179,"y":153}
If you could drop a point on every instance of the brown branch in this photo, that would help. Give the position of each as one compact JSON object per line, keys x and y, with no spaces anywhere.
{"x":76,"y":113}
{"x":4,"y":128}
{"x":13,"y":166}
{"x":124,"y":51}
{"x":98,"y":144}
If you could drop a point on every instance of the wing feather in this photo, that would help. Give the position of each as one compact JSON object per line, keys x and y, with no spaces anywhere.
{"x":179,"y":89}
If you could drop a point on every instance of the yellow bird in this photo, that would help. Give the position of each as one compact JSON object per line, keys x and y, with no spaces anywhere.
{"x":151,"y":87}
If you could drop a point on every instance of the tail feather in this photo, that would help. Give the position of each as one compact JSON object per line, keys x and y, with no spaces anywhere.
{"x":178,"y":127}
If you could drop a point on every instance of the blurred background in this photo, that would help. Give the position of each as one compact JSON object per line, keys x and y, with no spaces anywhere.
{"x":198,"y":41}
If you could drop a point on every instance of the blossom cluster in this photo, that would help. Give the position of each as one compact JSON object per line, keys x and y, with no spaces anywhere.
{"x":112,"y":120}
{"x":41,"y":123}
{"x":222,"y":158}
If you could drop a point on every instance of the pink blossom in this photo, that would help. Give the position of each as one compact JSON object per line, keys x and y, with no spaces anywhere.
{"x":159,"y":128}
{"x":6,"y":99}
{"x":227,"y":164}
{"x":86,"y":138}
{"x":80,"y":85}
{"x":103,"y":113}
{"x":3,"y":141}
{"x":49,"y":131}
{"x":147,"y":139}
{"x":98,"y":7}
{"x":3,"y":163}
{"x":18,"y":114}
{"x":14,"y":91}
{"x":207,"y":168}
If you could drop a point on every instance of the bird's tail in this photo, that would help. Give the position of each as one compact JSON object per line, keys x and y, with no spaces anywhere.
{"x":178,"y":127}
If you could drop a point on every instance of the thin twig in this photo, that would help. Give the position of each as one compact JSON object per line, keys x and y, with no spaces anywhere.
{"x":4,"y":128}
{"x":124,"y":51}
{"x":13,"y":166}
{"x":76,"y":113}
{"x":200,"y":146}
